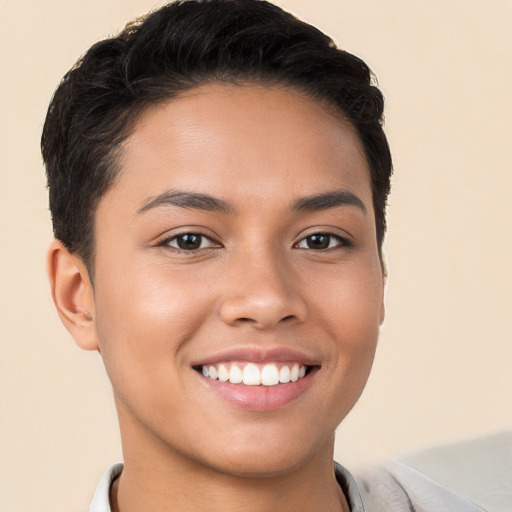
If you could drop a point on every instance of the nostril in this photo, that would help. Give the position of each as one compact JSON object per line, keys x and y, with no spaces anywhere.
{"x":261,"y":311}
{"x":246,"y":320}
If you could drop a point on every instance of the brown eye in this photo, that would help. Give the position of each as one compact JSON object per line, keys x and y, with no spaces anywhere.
{"x":321,"y":241}
{"x":318,"y":241}
{"x":189,"y":242}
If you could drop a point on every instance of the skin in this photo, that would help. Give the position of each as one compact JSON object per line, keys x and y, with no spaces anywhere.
{"x":255,"y":281}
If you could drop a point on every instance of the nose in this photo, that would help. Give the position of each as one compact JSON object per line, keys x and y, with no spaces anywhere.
{"x":262,"y":292}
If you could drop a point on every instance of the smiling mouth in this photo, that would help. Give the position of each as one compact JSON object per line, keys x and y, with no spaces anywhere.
{"x":251,"y":374}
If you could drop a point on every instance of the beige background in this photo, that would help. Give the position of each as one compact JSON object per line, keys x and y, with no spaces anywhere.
{"x":442,"y":371}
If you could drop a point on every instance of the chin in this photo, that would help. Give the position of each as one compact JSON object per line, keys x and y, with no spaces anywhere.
{"x":259,"y":466}
{"x":274,"y":456}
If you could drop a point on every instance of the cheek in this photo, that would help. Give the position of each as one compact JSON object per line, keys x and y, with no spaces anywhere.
{"x":353,"y":299}
{"x":143,"y":322}
{"x":351,"y":309}
{"x":150,"y":299}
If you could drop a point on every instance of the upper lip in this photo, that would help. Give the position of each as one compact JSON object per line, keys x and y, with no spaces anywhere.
{"x":259,"y":355}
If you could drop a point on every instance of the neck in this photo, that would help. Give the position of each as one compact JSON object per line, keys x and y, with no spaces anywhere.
{"x":156,"y":477}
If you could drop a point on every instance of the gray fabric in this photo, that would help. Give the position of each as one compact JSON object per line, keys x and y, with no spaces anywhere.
{"x":479,"y":469}
{"x":395,"y":487}
{"x":349,"y":487}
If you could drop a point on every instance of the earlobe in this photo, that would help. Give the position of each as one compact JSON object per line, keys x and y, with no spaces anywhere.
{"x":72,"y":294}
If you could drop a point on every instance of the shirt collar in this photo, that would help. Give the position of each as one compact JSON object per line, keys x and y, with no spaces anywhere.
{"x":349,"y":487}
{"x":101,"y":499}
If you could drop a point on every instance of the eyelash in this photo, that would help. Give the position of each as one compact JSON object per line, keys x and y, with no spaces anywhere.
{"x":339,"y":240}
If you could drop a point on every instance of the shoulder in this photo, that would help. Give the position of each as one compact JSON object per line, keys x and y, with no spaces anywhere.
{"x":471,"y":475}
{"x":395,"y":487}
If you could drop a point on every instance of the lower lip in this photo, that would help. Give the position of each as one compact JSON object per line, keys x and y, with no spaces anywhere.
{"x":259,"y":398}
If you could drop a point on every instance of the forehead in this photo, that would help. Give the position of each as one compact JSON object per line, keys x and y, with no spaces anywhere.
{"x":254,"y":136}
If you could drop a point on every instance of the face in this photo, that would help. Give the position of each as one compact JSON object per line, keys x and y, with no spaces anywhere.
{"x":238,"y":285}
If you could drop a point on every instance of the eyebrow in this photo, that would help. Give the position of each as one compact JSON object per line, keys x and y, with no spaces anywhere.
{"x":196,"y":200}
{"x":187,"y":200}
{"x":328,"y":200}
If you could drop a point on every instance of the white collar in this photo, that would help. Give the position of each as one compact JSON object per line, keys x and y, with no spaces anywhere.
{"x":101,"y":499}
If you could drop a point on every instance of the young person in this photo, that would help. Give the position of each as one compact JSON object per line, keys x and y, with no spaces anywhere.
{"x":218,"y":176}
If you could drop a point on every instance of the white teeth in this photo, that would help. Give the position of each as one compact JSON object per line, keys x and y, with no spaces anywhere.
{"x":270,"y":375}
{"x":223,"y":373}
{"x":212,"y":372}
{"x":235,"y":375}
{"x":251,"y":375}
{"x":284,"y":374}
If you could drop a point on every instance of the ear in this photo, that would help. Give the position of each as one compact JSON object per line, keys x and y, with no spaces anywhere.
{"x":382,"y":311}
{"x":384,"y":267}
{"x":73,"y":295}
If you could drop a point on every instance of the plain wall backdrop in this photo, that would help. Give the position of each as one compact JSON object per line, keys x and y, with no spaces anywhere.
{"x":442,"y":370}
